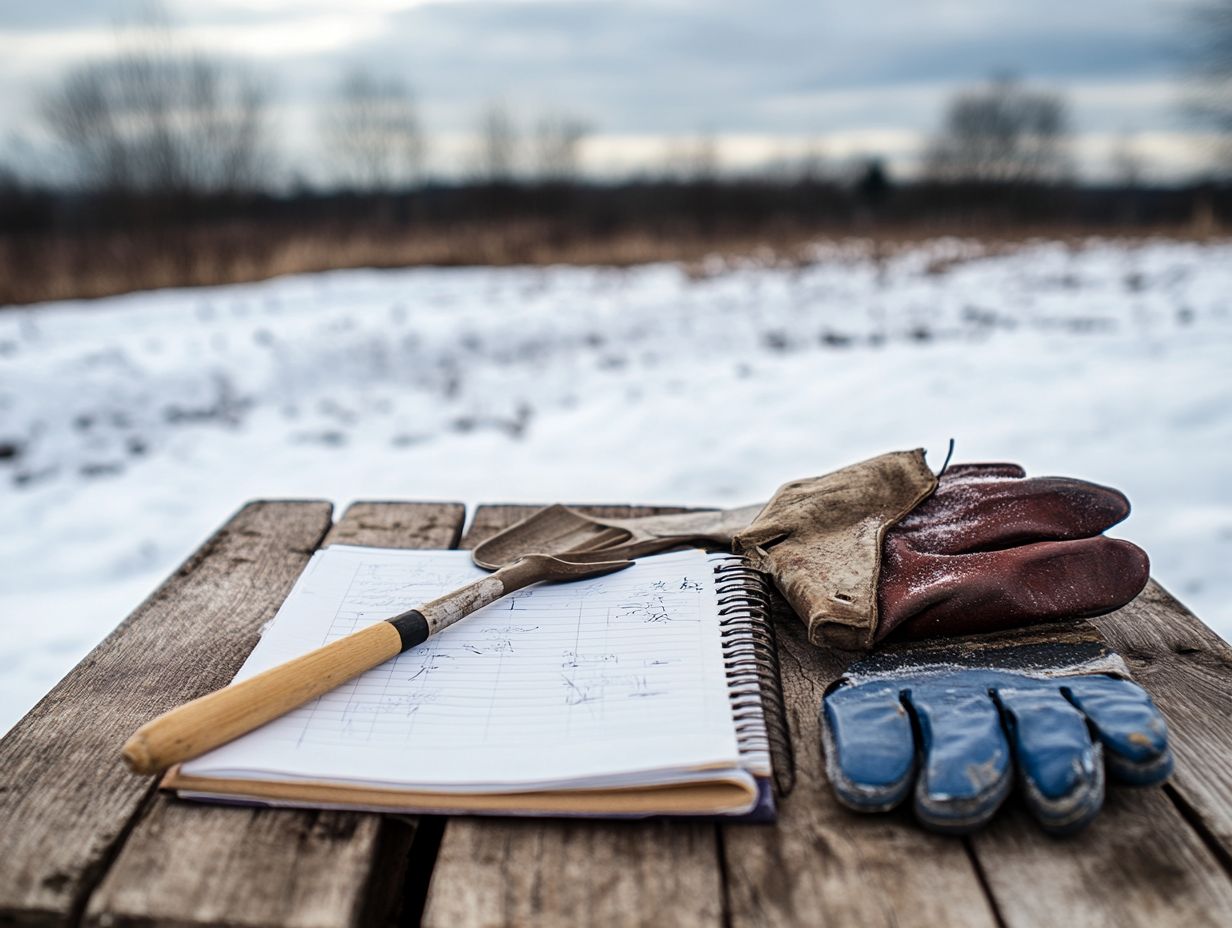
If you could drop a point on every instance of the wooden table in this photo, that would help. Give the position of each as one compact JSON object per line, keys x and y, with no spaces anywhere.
{"x":83,"y":841}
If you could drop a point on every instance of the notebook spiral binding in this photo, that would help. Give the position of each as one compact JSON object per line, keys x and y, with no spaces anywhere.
{"x":752,"y":663}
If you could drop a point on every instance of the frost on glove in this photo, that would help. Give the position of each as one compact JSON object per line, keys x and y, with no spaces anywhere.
{"x":953,"y":723}
{"x":884,"y":547}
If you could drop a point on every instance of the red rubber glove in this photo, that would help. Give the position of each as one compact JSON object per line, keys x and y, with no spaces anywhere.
{"x":992,"y":549}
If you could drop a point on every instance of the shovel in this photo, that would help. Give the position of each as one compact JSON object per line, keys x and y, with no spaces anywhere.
{"x":554,"y":545}
{"x":566,"y":532}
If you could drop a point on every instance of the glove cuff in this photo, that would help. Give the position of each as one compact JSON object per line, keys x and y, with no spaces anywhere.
{"x":821,"y":539}
{"x":1058,"y":649}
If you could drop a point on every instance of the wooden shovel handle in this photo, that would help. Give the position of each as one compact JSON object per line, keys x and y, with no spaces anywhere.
{"x":203,"y":724}
{"x":213,"y":720}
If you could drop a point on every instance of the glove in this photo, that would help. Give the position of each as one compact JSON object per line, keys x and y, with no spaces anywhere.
{"x":955,"y":717}
{"x":992,"y":549}
{"x":885,"y":548}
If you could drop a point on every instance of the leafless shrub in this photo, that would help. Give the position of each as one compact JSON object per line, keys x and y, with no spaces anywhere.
{"x":1002,"y":133}
{"x":809,"y":166}
{"x":498,"y":146}
{"x":371,"y":132}
{"x":558,"y":143}
{"x":1127,"y":162}
{"x":695,"y":159}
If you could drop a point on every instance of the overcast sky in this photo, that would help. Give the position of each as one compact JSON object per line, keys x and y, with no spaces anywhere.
{"x":767,"y":78}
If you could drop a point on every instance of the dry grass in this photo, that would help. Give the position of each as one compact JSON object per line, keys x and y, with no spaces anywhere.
{"x":62,"y":267}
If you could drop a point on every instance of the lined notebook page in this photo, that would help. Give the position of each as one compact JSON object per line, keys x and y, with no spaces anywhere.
{"x":607,"y":681}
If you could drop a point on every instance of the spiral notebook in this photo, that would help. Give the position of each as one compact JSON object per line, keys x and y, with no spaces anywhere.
{"x":652,"y":691}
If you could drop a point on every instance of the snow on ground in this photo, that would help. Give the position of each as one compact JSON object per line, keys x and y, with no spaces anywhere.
{"x":131,"y":427}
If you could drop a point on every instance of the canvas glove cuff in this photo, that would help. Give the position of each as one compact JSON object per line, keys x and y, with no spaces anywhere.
{"x":821,"y":539}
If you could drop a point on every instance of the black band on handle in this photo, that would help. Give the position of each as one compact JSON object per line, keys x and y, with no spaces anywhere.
{"x":412,"y":628}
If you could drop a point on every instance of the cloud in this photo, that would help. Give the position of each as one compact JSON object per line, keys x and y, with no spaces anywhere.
{"x":639,"y":67}
{"x":654,"y":68}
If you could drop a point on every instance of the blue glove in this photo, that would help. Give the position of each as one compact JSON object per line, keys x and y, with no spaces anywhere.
{"x":955,"y":718}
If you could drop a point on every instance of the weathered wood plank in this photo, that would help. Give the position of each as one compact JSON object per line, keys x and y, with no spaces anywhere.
{"x":824,"y":865}
{"x":1138,"y":864}
{"x":399,"y":525}
{"x":510,"y":872}
{"x":1188,"y":670}
{"x":494,"y":872}
{"x":188,"y":864}
{"x":65,"y":797}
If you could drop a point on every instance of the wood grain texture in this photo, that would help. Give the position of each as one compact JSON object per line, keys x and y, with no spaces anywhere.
{"x":508,"y":872}
{"x":190,"y":864}
{"x":1188,"y":670}
{"x":66,"y":800}
{"x":494,"y":872}
{"x":824,"y":865}
{"x":1140,"y":863}
{"x":399,"y":525}
{"x":410,"y":525}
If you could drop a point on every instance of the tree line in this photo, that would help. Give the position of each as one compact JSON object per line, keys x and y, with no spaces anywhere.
{"x":174,"y":177}
{"x":152,"y":121}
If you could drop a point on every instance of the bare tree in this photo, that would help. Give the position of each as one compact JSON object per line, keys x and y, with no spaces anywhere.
{"x":808,"y":165}
{"x":498,"y":146}
{"x":158,"y":119}
{"x":13,"y":179}
{"x":811,"y":166}
{"x":1001,"y":133}
{"x":1127,"y":162}
{"x":1210,"y":60}
{"x":558,"y":144}
{"x":372,"y":132}
{"x":696,"y":159}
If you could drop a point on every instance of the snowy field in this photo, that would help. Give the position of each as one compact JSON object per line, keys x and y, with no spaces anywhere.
{"x":131,"y":427}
